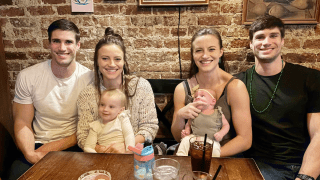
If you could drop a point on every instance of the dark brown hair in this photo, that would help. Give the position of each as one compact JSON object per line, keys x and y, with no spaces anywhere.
{"x":64,"y":25}
{"x":266,"y":22}
{"x":109,"y":38}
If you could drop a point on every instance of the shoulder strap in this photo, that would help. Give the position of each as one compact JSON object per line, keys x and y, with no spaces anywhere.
{"x":186,"y":87}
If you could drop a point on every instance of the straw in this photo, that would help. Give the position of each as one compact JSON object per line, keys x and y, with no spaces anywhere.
{"x":217,"y":172}
{"x":204,"y":151}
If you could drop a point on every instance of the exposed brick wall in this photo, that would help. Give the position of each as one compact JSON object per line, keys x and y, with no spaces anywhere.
{"x":150,"y":35}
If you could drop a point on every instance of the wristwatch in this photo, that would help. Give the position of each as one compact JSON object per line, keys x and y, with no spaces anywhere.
{"x":305,"y":177}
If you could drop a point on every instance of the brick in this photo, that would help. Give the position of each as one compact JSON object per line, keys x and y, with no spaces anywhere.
{"x":11,"y":12}
{"x":292,"y":43}
{"x":3,"y":21}
{"x":164,"y":32}
{"x":299,"y":58}
{"x":8,"y":44}
{"x":231,"y":8}
{"x":89,"y":44}
{"x":188,"y":20}
{"x":104,"y":21}
{"x":197,"y":9}
{"x":170,"y":21}
{"x":54,"y":1}
{"x":185,"y":55}
{"x":153,"y":20}
{"x":13,"y":66}
{"x":192,"y":30}
{"x":24,"y":32}
{"x":23,"y":22}
{"x":6,"y":2}
{"x":63,"y":10}
{"x":97,"y":1}
{"x":240,"y":43}
{"x":214,"y":8}
{"x":185,"y":67}
{"x":234,"y":56}
{"x":80,"y":56}
{"x":155,"y":67}
{"x":135,"y":10}
{"x":106,"y":9}
{"x":237,"y":19}
{"x":120,"y":21}
{"x":132,"y":32}
{"x":45,"y":43}
{"x":311,"y":44}
{"x":142,"y":43}
{"x":39,"y":55}
{"x":26,"y":43}
{"x":211,"y":20}
{"x":171,"y":43}
{"x":15,"y":55}
{"x":317,"y":30}
{"x":138,"y":21}
{"x":182,"y":31}
{"x":40,"y":10}
{"x":185,"y":43}
{"x":165,"y":10}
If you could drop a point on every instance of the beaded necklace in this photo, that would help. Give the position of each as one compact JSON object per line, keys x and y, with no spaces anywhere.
{"x":274,"y":92}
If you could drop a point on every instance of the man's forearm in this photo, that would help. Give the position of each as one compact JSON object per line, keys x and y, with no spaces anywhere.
{"x":59,"y":145}
{"x":311,"y":164}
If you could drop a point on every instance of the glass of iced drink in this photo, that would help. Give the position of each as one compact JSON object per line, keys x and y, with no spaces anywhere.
{"x":165,"y":169}
{"x":200,"y":155}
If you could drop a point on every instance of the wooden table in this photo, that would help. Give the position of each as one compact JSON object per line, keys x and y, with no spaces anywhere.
{"x":70,"y":165}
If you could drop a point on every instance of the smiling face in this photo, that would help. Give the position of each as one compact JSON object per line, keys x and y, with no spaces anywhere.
{"x":266,"y":45}
{"x":111,"y":62}
{"x":206,"y":52}
{"x":63,"y":47}
{"x":110,"y":107}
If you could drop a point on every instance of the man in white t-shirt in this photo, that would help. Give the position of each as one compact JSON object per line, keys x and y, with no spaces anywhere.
{"x":44,"y":106}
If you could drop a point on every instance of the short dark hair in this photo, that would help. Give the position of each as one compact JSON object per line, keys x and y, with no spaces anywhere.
{"x":64,"y":25}
{"x":266,"y":22}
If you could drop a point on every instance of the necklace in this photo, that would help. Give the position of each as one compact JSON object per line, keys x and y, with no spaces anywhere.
{"x":274,"y":92}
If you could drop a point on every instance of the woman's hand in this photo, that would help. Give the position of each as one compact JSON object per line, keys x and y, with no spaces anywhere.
{"x":191,"y":111}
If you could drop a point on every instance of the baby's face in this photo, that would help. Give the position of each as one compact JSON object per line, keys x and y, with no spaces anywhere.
{"x":204,"y":96}
{"x":109,"y":108}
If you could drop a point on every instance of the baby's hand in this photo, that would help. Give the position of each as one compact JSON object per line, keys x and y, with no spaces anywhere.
{"x":218,"y":136}
{"x":184,"y":133}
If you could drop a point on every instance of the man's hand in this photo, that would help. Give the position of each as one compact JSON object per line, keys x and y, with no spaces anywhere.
{"x":35,"y":156}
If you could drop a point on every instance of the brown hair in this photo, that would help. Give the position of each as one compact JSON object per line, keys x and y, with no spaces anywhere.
{"x":109,"y":38}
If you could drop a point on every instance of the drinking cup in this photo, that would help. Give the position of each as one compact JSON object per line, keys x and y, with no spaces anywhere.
{"x":166,"y":169}
{"x":200,"y":155}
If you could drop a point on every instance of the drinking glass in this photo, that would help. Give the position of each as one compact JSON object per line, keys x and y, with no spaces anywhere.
{"x":200,"y":155}
{"x":197,"y":175}
{"x":165,"y":169}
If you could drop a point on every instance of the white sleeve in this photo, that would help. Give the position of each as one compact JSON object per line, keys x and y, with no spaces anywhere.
{"x":127,"y":130}
{"x":91,"y":141}
{"x":23,"y":91}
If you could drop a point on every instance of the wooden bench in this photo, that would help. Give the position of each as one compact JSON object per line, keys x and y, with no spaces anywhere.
{"x":165,"y":89}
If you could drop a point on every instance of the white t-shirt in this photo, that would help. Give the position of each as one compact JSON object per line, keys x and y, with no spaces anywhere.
{"x":54,"y":99}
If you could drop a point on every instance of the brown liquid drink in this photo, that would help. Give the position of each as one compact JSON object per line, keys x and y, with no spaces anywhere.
{"x":198,"y":162}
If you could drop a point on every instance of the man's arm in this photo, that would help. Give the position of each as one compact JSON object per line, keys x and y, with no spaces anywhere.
{"x":59,"y":145}
{"x":23,"y":116}
{"x":310,"y":163}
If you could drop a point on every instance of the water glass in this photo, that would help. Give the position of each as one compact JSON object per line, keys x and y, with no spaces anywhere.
{"x":166,"y":169}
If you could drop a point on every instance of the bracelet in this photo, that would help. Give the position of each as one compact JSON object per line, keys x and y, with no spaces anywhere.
{"x":305,"y":177}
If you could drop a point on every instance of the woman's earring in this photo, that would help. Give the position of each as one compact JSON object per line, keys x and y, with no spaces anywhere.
{"x":219,"y":60}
